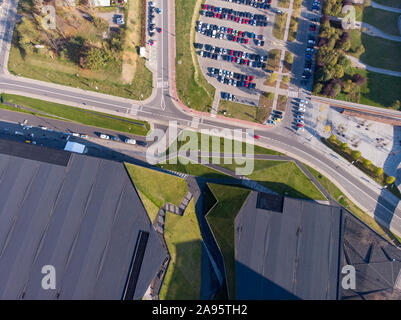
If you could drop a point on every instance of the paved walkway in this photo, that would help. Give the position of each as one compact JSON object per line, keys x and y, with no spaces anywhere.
{"x":386,"y":8}
{"x":375,"y":32}
{"x":356,"y":62}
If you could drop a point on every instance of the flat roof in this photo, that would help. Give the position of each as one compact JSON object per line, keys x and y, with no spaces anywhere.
{"x":298,"y":252}
{"x":292,"y":254}
{"x":85,"y":219}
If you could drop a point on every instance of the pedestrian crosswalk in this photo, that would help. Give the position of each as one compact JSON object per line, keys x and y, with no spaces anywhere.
{"x":134,"y":110}
{"x":195,"y":122}
{"x":293,"y":94}
{"x":162,"y":84}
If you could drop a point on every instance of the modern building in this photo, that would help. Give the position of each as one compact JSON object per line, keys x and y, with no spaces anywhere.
{"x":287,"y":248}
{"x":79,"y":214}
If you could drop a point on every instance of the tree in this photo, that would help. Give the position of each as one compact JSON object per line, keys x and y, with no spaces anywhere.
{"x":338,"y":71}
{"x":273,"y":77}
{"x":333,"y":138}
{"x":367,"y":163}
{"x":317,"y":88}
{"x":390,"y":180}
{"x":344,"y":146}
{"x":359,"y":50}
{"x":355,"y":155}
{"x":37,"y":6}
{"x":96,"y":58}
{"x":396,"y":105}
{"x":358,"y":79}
{"x":289,"y":58}
{"x":286,"y":79}
{"x":269,"y":95}
{"x":378,"y":171}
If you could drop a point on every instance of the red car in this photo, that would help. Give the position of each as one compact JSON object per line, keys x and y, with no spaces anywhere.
{"x":256,"y":137}
{"x":240,"y":34}
{"x":235,"y":38}
{"x":300,"y":125}
{"x":246,"y":41}
{"x":251,"y":78}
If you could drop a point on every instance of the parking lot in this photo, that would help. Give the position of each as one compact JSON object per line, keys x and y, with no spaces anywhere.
{"x":241,"y":61}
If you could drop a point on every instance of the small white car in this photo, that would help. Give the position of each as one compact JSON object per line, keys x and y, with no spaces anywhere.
{"x":104,"y":136}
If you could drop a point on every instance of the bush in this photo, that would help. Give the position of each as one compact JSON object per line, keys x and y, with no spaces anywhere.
{"x":378,"y":171}
{"x":390,"y":180}
{"x":367,"y":163}
{"x":355,"y":155}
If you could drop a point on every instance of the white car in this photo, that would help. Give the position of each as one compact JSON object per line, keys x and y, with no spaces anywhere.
{"x":303,"y":101}
{"x":301,"y":109}
{"x":104,"y":136}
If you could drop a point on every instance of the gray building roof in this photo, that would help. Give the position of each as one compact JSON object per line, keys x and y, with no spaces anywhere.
{"x":289,"y":254}
{"x":83,"y":216}
{"x":288,"y":248}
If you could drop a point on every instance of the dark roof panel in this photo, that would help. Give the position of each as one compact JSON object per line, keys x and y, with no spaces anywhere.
{"x":84,"y":219}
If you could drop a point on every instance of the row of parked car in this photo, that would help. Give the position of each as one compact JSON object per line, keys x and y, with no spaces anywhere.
{"x":299,"y":113}
{"x":228,"y":96}
{"x":258,"y":20}
{"x":276,"y":116}
{"x":151,"y":22}
{"x":233,"y":56}
{"x":316,"y":6}
{"x":232,"y":78}
{"x":260,"y":4}
{"x":224,"y":33}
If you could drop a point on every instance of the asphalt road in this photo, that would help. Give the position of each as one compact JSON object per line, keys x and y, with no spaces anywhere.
{"x":162,"y":107}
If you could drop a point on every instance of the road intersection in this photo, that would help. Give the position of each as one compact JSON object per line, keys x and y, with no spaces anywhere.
{"x":164,"y":106}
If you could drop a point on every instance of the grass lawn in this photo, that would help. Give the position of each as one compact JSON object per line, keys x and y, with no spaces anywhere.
{"x":257,"y":149}
{"x":60,"y":68}
{"x":39,"y":67}
{"x":92,"y":118}
{"x":182,"y":234}
{"x":380,"y":53}
{"x":221,"y":220}
{"x":192,"y":88}
{"x":297,"y":4}
{"x":339,"y":196}
{"x":287,"y":66}
{"x":356,"y":40}
{"x":282,"y":103}
{"x":390,"y":3}
{"x":194,"y":169}
{"x":380,"y":90}
{"x":273,"y":61}
{"x":157,"y":186}
{"x":386,"y":21}
{"x":266,"y":103}
{"x":238,"y":110}
{"x":292,"y":34}
{"x":184,"y":242}
{"x":284,"y":177}
{"x":283,"y":3}
{"x":279,"y":26}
